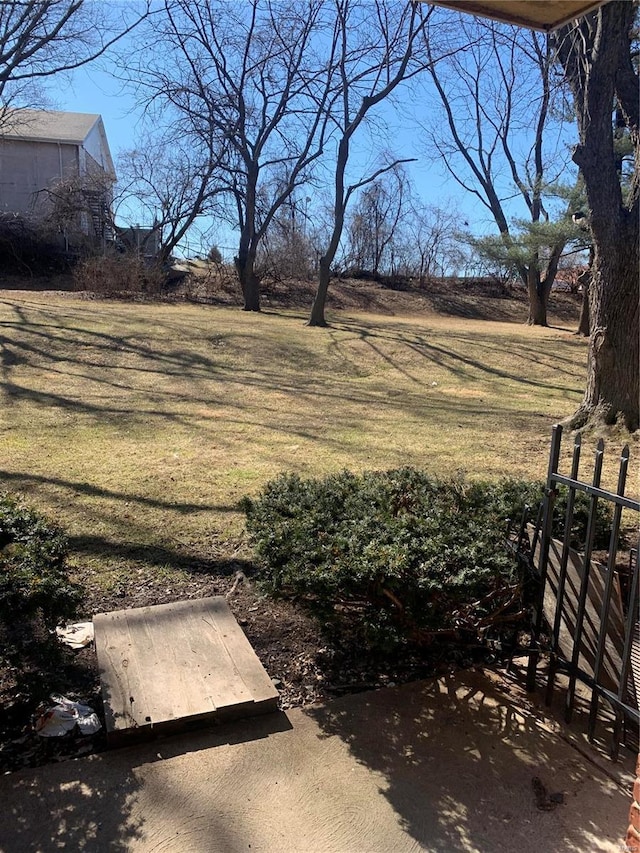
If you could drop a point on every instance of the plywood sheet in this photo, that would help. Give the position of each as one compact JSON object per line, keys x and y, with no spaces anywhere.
{"x":166,"y":667}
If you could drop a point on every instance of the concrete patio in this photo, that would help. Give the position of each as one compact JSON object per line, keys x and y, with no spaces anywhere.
{"x":438,"y":766}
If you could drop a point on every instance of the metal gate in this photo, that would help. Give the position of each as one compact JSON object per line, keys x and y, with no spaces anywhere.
{"x":585,"y":613}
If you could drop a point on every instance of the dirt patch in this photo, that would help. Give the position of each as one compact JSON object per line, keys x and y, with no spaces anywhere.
{"x":308,"y":661}
{"x":471,"y":298}
{"x":479,"y":299}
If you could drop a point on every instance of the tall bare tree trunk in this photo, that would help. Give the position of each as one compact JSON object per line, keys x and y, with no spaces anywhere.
{"x":490,"y":78}
{"x":376,"y":66}
{"x":317,"y":317}
{"x":246,"y":258}
{"x":249,"y":281}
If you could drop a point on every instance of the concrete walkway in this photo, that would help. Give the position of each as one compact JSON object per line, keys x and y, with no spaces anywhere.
{"x":438,"y":766}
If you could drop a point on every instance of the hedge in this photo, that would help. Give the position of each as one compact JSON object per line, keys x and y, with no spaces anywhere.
{"x":409,"y":555}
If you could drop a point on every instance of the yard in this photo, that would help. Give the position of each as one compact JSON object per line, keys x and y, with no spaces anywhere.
{"x":138,"y":427}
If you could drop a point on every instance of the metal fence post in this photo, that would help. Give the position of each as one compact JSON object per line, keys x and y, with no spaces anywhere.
{"x":547,"y":517}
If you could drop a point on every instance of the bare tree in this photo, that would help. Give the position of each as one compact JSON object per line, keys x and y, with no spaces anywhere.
{"x":172,"y":184}
{"x":374,"y":223}
{"x":375,"y":47}
{"x":244,"y":78}
{"x":495,"y":91}
{"x":286,"y":250}
{"x":78,"y":206}
{"x":432,"y":232}
{"x":597,"y":56}
{"x":40,"y":38}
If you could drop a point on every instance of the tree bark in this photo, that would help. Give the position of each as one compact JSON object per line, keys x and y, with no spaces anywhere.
{"x":596,"y":59}
{"x":613,"y":367}
{"x":246,"y":259}
{"x":584,"y":323}
{"x":537,"y":298}
{"x":250,"y":284}
{"x":537,"y":310}
{"x":317,"y":317}
{"x":249,"y":281}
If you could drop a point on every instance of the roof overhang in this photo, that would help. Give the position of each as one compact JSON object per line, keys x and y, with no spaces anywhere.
{"x":545,"y":15}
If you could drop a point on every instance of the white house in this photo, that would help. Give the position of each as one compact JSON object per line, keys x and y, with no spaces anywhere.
{"x":38,"y":148}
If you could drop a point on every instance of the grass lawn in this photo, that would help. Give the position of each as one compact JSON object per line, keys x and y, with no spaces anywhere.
{"x":139,"y":426}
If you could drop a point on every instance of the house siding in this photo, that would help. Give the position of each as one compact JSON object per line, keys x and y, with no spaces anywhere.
{"x":27,"y":168}
{"x":94,"y":146}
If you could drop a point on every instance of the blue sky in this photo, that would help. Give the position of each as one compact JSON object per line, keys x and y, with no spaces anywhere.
{"x":91,"y":89}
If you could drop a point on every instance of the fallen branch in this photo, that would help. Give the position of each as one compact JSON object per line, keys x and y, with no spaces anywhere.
{"x":240,"y":578}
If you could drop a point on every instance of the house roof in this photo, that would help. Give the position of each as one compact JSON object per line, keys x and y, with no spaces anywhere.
{"x":49,"y":126}
{"x":543,"y":15}
{"x":55,"y":126}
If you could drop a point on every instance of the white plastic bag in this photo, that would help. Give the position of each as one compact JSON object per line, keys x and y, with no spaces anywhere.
{"x":55,"y":722}
{"x":77,"y":636}
{"x":64,"y":716}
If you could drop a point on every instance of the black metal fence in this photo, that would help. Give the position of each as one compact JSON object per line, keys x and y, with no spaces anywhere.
{"x":586,"y":613}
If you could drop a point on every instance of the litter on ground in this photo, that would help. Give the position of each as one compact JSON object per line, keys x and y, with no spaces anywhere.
{"x":77,"y":636}
{"x":64,"y":716}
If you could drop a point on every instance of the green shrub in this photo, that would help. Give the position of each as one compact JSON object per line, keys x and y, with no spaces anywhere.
{"x":34,"y":583}
{"x":411,"y":555}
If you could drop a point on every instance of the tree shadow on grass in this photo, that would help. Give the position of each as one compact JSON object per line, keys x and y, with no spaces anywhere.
{"x":464,"y":367}
{"x":99,"y":357}
{"x":90,"y":490}
{"x":460,"y":306}
{"x":457,"y":758}
{"x":155,"y":555}
{"x":152,"y":554}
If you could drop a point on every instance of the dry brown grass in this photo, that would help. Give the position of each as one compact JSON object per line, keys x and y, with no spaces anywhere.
{"x":139,"y":427}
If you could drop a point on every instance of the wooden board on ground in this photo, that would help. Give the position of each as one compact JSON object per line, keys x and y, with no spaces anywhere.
{"x":168,"y":667}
